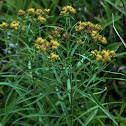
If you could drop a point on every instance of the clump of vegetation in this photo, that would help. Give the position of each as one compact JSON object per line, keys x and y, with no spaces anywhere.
{"x":55,"y":71}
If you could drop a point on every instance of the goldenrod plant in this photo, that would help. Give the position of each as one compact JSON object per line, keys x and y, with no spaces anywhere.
{"x":55,"y":73}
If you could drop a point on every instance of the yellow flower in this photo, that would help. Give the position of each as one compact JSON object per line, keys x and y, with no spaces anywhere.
{"x":98,"y":57}
{"x":22,"y":28}
{"x":66,"y":10}
{"x":98,"y":27}
{"x":38,"y":40}
{"x":73,"y":34}
{"x":37,"y":46}
{"x":91,"y":29}
{"x":71,"y":9}
{"x":31,"y":11}
{"x":103,"y":52}
{"x":54,"y":47}
{"x":112,"y":53}
{"x":41,"y":19}
{"x":80,"y":42}
{"x":55,"y":33}
{"x":50,"y":37}
{"x":104,"y":41}
{"x":21,"y":13}
{"x":64,"y":13}
{"x":4,"y":25}
{"x":38,"y":11}
{"x":104,"y":56}
{"x":43,"y":45}
{"x":47,"y":10}
{"x":55,"y":44}
{"x":53,"y":57}
{"x":14,"y":25}
{"x":95,"y":35}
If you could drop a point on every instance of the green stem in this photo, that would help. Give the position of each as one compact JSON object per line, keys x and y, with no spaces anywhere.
{"x":124,"y":21}
{"x":5,"y":39}
{"x":67,"y":24}
{"x":71,"y":95}
{"x":71,"y":106}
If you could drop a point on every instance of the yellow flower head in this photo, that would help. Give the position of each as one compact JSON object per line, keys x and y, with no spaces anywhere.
{"x":55,"y":44}
{"x":94,"y":33}
{"x":21,"y":13}
{"x":38,"y":39}
{"x":55,"y":33}
{"x":80,"y":42}
{"x":53,"y":57}
{"x":91,"y":29}
{"x":38,"y":12}
{"x":46,"y":10}
{"x":4,"y":25}
{"x":98,"y":27}
{"x":54,"y":47}
{"x":41,"y":19}
{"x":14,"y":25}
{"x":112,"y":53}
{"x":43,"y":45}
{"x":66,"y":10}
{"x":98,"y":57}
{"x":22,"y":28}
{"x":98,"y":38}
{"x":104,"y":56}
{"x":31,"y":11}
{"x":71,"y":9}
{"x":103,"y":52}
{"x":37,"y":46}
{"x":104,"y":41}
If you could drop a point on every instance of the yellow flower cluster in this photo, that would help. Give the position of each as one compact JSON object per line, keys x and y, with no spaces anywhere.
{"x":22,"y":28}
{"x":42,"y":12}
{"x":53,"y":57}
{"x":92,"y":29}
{"x":66,"y":10}
{"x":31,"y":11}
{"x":41,"y":19}
{"x":43,"y":45}
{"x":4,"y":25}
{"x":46,"y":10}
{"x":104,"y":55}
{"x":14,"y":25}
{"x":21,"y":13}
{"x":54,"y":44}
{"x":80,"y":42}
{"x":55,"y":33}
{"x":88,"y":27}
{"x":38,"y":12}
{"x":98,"y":38}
